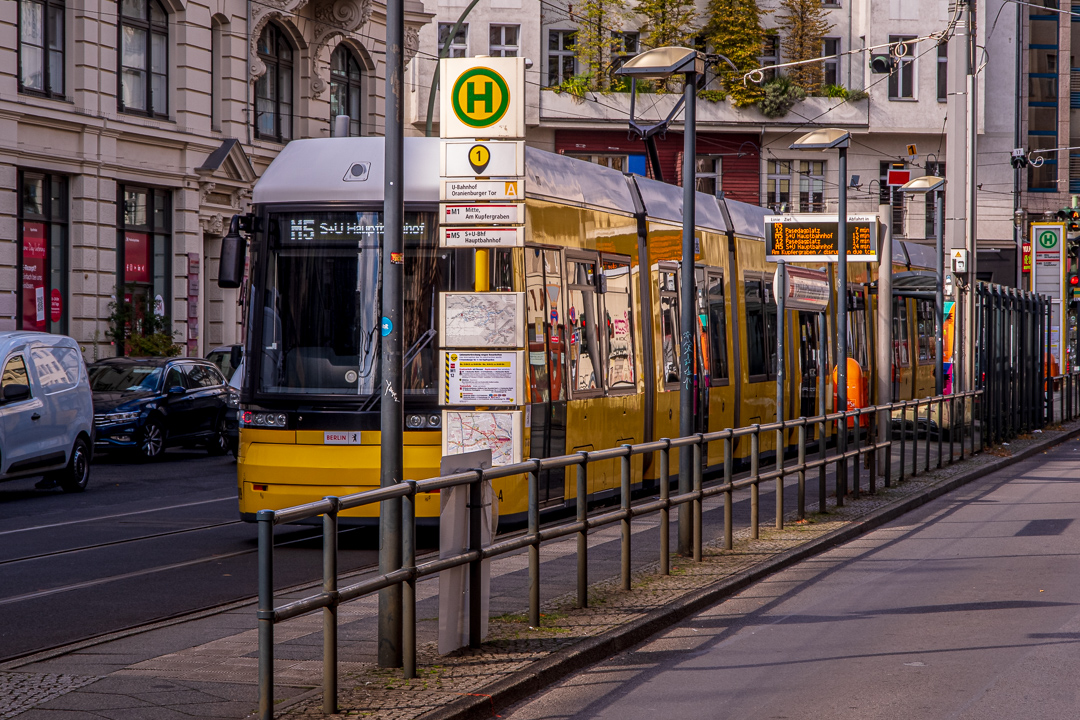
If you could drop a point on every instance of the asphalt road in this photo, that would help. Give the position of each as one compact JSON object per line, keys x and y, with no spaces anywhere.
{"x":146,"y":541}
{"x":967,"y":608}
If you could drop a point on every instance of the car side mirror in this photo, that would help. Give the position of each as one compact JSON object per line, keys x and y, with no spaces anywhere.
{"x":236,"y":353}
{"x":177,"y":390}
{"x":15,"y":393}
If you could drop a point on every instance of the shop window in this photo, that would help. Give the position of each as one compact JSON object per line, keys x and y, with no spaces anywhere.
{"x":144,"y":250}
{"x":43,"y":252}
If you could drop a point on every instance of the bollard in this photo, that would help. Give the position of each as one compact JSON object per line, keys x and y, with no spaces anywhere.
{"x":665,"y":512}
{"x":583,"y":534}
{"x":625,"y":493}
{"x":754,"y":485}
{"x":330,"y":613}
{"x":534,"y":548}
{"x":266,"y":614}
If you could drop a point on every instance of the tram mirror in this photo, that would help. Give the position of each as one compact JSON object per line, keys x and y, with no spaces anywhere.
{"x":233,"y":254}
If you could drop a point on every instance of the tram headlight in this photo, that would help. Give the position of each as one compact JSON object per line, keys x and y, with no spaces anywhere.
{"x":434,"y":421}
{"x":276,"y":420}
{"x":414,"y":422}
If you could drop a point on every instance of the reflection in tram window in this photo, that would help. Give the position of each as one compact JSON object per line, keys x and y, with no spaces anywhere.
{"x":926,"y":327}
{"x":582,"y":326}
{"x":717,"y":330}
{"x":901,"y":353}
{"x":760,"y":329}
{"x":618,"y":321}
{"x":669,"y":326}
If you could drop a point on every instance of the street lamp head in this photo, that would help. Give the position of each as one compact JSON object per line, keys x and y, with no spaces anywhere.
{"x":924,"y":184}
{"x":663,"y":62}
{"x":822,"y":139}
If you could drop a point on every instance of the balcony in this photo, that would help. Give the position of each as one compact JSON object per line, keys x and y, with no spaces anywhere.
{"x":598,"y":110}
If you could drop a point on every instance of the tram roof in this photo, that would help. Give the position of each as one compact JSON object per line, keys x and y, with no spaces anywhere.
{"x":917,"y":255}
{"x":314,"y":170}
{"x":747,"y":220}
{"x":664,"y":202}
{"x":549,"y":176}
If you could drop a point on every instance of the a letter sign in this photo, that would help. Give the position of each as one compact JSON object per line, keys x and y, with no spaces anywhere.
{"x":482,"y":98}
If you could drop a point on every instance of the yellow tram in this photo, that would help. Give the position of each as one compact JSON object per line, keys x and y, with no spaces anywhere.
{"x":599,"y":271}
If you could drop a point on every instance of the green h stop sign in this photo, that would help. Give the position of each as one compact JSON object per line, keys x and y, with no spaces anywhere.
{"x":1048,"y":239}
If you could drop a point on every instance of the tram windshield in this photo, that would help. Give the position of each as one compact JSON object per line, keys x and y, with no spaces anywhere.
{"x":320,"y":319}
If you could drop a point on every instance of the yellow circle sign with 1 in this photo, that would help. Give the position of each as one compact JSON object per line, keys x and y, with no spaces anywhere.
{"x":480,"y":97}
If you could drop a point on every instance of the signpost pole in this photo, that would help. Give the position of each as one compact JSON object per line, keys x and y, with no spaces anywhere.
{"x":390,"y":389}
{"x":687,"y":319}
{"x":884,"y":330}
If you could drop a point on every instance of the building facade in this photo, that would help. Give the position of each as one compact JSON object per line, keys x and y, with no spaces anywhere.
{"x":131,"y":131}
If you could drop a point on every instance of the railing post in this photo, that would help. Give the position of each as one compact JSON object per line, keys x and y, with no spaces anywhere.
{"x":476,"y":507}
{"x":330,"y":613}
{"x":534,"y":548}
{"x":963,"y":423}
{"x":728,"y":532}
{"x":839,"y":467}
{"x":857,"y":460}
{"x":408,"y":588}
{"x":940,"y":428}
{"x":754,"y":444}
{"x":780,"y":443}
{"x":915,"y":442}
{"x":872,"y":438}
{"x":802,"y":470}
{"x":903,"y":438}
{"x":888,"y":449}
{"x":929,"y":406}
{"x":822,"y":442}
{"x":697,"y":498}
{"x":665,"y":512}
{"x":625,"y":504}
{"x":266,"y":614}
{"x":583,"y":534}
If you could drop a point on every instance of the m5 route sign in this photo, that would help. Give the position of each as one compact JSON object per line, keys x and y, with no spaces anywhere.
{"x":482,"y":98}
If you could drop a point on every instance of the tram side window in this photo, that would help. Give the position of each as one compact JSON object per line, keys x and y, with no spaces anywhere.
{"x":669,"y":326}
{"x":926,"y":327}
{"x":618,"y":321}
{"x":901,"y":351}
{"x":760,"y":329}
{"x":717,"y":330}
{"x":583,"y":328}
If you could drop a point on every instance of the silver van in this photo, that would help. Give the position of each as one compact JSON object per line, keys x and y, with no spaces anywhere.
{"x":46,"y":412}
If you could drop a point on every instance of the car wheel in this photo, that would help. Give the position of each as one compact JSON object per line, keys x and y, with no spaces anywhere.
{"x":152,"y":441}
{"x":76,"y":475}
{"x":218,"y":444}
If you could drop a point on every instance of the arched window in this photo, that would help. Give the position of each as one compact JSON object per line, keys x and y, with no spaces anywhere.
{"x":346,"y":88}
{"x":274,"y":90}
{"x":144,"y":57}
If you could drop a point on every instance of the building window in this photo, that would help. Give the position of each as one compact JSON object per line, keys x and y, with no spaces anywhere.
{"x":503,"y":40}
{"x":902,"y":78}
{"x":560,"y":66}
{"x":1042,"y":112}
{"x":346,"y":88}
{"x":144,"y":57}
{"x":624,"y":45}
{"x":933,"y":168}
{"x":144,"y":249}
{"x":770,"y":55}
{"x":459,"y":46}
{"x":942,"y":72}
{"x":43,"y":253}
{"x":831,"y":3}
{"x":890,"y":196}
{"x":615,"y":162}
{"x":807,"y":175}
{"x":217,"y":28}
{"x":707,"y":172}
{"x":41,"y":47}
{"x":830,"y":48}
{"x":274,"y":90}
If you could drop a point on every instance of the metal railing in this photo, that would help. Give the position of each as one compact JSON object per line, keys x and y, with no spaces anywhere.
{"x":964,"y":421}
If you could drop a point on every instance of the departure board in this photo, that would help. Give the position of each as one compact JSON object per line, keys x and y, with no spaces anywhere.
{"x":797,"y":238}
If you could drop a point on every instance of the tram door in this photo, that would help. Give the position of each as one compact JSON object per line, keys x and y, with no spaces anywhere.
{"x":809,"y":363}
{"x":546,"y":355}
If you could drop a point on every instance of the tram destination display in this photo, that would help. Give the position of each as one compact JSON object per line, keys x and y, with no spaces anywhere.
{"x":812,"y":237}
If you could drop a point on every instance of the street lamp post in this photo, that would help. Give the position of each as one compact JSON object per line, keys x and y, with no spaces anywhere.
{"x":827,"y":139}
{"x":658,"y":64}
{"x":923,"y":185}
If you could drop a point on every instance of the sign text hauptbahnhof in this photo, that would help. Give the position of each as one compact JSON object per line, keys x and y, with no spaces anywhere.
{"x":798,"y":238}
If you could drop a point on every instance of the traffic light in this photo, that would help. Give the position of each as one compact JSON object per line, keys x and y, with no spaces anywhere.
{"x":1072,"y":283}
{"x":881,"y":64}
{"x":1071,"y":216}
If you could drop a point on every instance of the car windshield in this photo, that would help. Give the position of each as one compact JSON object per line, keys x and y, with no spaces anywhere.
{"x":320,"y":303}
{"x":124,"y":378}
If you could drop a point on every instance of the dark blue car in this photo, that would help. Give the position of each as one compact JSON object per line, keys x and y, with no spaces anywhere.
{"x":148,"y":404}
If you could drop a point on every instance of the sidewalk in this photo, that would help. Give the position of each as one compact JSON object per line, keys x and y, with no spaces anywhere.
{"x":205,"y":666}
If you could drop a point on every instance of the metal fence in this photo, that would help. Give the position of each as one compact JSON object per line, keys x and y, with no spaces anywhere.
{"x":1013,"y":396}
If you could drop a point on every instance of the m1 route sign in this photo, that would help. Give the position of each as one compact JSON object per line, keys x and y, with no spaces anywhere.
{"x":812,"y":237}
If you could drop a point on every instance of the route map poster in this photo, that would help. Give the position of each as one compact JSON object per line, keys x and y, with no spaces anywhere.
{"x":811,"y":237}
{"x":468,"y":430}
{"x":482,"y":320}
